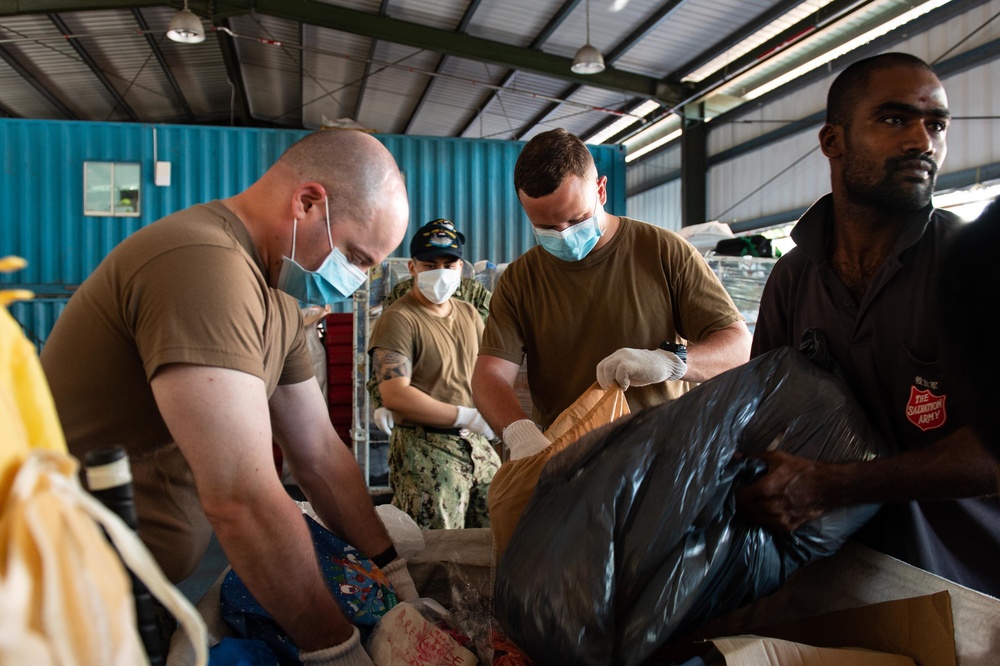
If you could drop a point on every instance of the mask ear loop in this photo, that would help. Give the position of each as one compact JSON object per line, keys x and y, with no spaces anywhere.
{"x":329,"y":234}
{"x":597,"y":204}
{"x":295,"y":228}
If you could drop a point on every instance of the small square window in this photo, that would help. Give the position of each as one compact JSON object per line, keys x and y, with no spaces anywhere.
{"x":111,"y":189}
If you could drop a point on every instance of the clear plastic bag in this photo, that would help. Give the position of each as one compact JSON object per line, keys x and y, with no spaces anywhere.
{"x":403,"y":530}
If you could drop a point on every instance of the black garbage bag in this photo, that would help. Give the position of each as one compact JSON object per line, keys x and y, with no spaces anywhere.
{"x":631,"y":536}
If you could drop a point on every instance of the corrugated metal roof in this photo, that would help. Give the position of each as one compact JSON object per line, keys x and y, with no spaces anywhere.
{"x":428,"y":67}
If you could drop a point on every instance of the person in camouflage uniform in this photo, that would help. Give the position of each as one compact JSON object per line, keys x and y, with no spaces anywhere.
{"x":441,"y":480}
{"x":423,"y":349}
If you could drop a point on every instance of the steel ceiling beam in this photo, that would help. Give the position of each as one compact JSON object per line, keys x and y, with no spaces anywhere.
{"x":383,"y":10}
{"x":616,"y":52}
{"x":643,"y":29}
{"x":804,"y":29}
{"x":463,"y":25}
{"x":451,"y":43}
{"x":711,"y":53}
{"x":504,"y":80}
{"x":557,"y":19}
{"x":921,"y":24}
{"x":231,"y":59}
{"x":92,"y":64}
{"x":158,"y":54}
{"x":613,"y":55}
{"x":385,"y":28}
{"x":42,"y":90}
{"x":735,"y":37}
{"x":549,"y":109}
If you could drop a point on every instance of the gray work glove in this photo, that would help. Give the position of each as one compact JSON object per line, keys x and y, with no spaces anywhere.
{"x":399,"y":576}
{"x":523,"y":439}
{"x":469,"y":417}
{"x":348,"y":653}
{"x":639,"y":367}
{"x":384,"y":420}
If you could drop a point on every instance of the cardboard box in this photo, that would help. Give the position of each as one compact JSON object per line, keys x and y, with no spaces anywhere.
{"x":862,"y":598}
{"x":905,"y":631}
{"x":756,"y":651}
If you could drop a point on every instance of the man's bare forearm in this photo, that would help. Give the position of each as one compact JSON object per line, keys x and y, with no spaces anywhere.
{"x":269,"y":546}
{"x":956,"y":467}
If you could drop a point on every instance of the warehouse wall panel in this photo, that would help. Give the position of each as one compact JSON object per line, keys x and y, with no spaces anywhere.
{"x":41,"y":191}
{"x":660,"y":206}
{"x":785,"y":175}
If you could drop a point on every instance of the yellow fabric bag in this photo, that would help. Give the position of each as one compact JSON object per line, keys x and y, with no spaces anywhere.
{"x":27,"y":414}
{"x":65,"y":598}
{"x":514,"y":482}
{"x":63,"y":587}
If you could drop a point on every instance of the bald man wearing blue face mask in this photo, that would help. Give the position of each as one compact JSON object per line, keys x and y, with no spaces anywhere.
{"x":334,"y":281}
{"x":602,"y":297}
{"x":193,"y":324}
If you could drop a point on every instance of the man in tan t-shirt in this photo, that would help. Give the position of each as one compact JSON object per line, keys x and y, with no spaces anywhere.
{"x":186,"y":347}
{"x":602,"y":297}
{"x":423,"y":350}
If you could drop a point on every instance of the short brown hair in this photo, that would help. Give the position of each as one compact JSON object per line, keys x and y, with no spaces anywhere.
{"x":547,"y":159}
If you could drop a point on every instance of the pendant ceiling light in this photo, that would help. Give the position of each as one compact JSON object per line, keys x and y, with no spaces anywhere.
{"x":588,"y":60}
{"x":185,"y":27}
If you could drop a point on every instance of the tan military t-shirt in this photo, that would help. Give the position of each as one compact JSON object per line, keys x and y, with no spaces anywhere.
{"x":189,"y":288}
{"x":443,"y":349}
{"x":645,"y":287}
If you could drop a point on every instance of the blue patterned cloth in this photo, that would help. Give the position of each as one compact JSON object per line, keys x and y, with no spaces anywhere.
{"x":360,"y":588}
{"x":241,"y":652}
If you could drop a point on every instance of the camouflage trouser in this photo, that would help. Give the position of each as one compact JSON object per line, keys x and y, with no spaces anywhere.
{"x":441,"y":480}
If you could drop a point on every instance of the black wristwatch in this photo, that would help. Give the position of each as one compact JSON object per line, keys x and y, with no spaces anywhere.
{"x":680,"y":351}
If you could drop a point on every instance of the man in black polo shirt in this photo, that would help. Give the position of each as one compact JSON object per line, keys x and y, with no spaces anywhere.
{"x":865,"y":272}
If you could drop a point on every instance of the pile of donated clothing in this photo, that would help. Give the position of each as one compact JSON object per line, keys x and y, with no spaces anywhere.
{"x":632,"y":537}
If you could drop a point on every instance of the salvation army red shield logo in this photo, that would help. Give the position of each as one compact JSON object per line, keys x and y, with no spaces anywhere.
{"x":926,"y":410}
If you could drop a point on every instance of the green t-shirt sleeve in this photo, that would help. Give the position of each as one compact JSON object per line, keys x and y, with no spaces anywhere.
{"x":502,"y":336}
{"x":183,"y":307}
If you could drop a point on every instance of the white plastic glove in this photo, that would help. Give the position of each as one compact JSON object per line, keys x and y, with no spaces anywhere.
{"x":384,"y":420}
{"x":399,"y":576}
{"x":639,"y":367}
{"x":523,"y":439}
{"x":348,"y":653}
{"x":469,"y":417}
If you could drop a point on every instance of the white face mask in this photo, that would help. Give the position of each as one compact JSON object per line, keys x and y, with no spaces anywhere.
{"x":438,"y":285}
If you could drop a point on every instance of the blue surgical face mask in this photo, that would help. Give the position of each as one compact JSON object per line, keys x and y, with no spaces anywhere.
{"x":573,"y":243}
{"x":334,"y":281}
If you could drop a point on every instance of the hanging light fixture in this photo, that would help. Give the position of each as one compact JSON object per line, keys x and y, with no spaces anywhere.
{"x":588,"y":60}
{"x":185,"y":27}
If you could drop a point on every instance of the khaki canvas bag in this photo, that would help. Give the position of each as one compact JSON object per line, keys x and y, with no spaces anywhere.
{"x":514,"y":482}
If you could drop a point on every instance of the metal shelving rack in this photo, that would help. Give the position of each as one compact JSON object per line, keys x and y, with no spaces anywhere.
{"x":743,"y":278}
{"x":367,"y":305}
